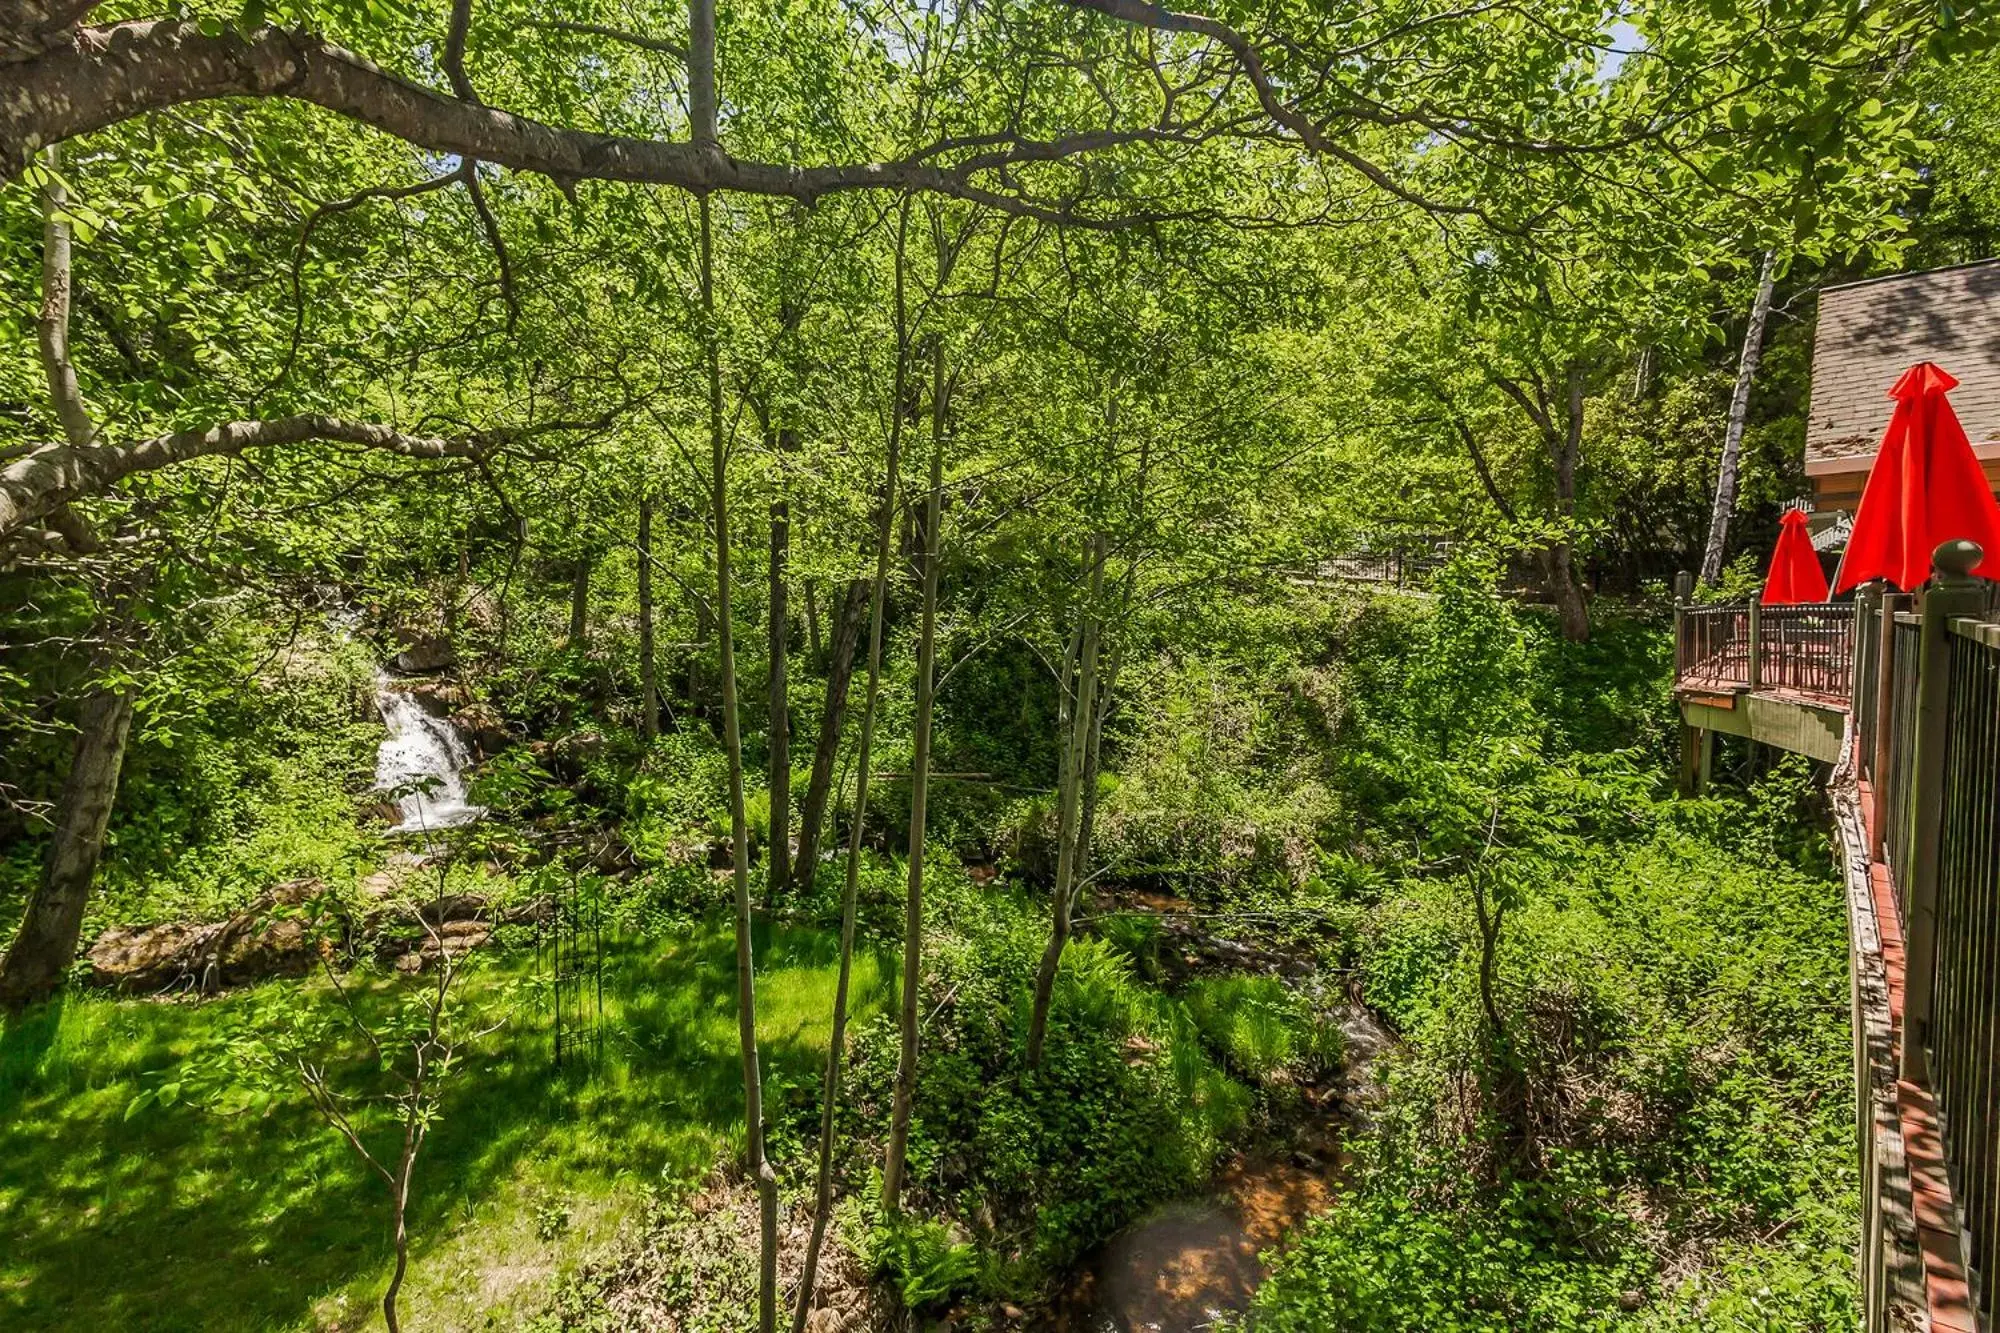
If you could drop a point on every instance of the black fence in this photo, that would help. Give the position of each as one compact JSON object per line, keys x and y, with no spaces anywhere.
{"x":1926,"y":708}
{"x":1964,"y":1033}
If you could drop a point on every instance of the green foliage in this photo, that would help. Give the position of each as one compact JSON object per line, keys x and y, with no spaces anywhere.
{"x":1260,"y":1027}
{"x":922,"y":1261}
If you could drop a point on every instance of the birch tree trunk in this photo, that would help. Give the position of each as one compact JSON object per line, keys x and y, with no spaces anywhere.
{"x":1739,"y":413}
{"x":732,"y":743}
{"x":649,"y":685}
{"x":779,"y":871}
{"x":885,"y":529}
{"x":1068,"y":803}
{"x":46,"y":945}
{"x":920,"y":771}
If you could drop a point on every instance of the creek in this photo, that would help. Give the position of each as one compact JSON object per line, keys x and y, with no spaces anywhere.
{"x":1199,"y":1259}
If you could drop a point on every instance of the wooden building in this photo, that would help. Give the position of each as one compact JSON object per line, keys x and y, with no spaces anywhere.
{"x":1868,"y":334}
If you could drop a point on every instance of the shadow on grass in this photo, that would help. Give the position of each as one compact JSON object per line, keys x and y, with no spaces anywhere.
{"x":184,"y":1218}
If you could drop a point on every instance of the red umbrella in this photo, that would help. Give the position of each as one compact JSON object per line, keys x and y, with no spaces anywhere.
{"x":1795,"y":573}
{"x":1924,"y":489}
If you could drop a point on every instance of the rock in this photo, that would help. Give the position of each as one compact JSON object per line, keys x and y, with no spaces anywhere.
{"x":422,"y":651}
{"x":455,"y":907}
{"x":410,"y":963}
{"x":262,"y":940}
{"x":826,"y":1319}
{"x":143,"y":958}
{"x":1631,"y":1299}
{"x":483,"y":729}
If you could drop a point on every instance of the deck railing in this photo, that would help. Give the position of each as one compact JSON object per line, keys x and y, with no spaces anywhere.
{"x":1803,"y":649}
{"x":1920,"y":679}
{"x":1923,"y":689}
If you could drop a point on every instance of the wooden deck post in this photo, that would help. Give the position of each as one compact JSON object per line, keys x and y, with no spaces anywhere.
{"x":1885,"y":719}
{"x":1954,"y":592}
{"x":1755,"y":666}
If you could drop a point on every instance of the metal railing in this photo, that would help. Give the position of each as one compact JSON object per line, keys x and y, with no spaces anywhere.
{"x":1712,"y":646}
{"x":1807,"y":649}
{"x":1964,"y":1030}
{"x":1804,"y":649}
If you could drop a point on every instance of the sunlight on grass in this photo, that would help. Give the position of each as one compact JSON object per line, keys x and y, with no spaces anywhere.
{"x":213,"y":1222}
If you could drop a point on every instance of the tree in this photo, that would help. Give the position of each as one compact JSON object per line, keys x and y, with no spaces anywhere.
{"x":1716,"y":550}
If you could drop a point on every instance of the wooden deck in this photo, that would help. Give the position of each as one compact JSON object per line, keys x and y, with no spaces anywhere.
{"x":1904,"y":706}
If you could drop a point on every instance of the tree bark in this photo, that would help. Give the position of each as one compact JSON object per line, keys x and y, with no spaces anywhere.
{"x":46,"y":944}
{"x":732,"y":743}
{"x":777,"y":697}
{"x":649,"y":688}
{"x":53,"y":475}
{"x":1069,"y":802}
{"x":1739,"y":413}
{"x":107,"y":74}
{"x":52,"y":327}
{"x":850,"y":893}
{"x":839,"y":673}
{"x":920,"y":771}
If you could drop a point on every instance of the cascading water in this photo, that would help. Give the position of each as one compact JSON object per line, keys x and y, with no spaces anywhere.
{"x":425,"y":757}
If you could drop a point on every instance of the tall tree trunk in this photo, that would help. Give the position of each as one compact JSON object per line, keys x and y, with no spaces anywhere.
{"x":850,"y":892}
{"x":52,"y":328}
{"x":840,"y":671}
{"x":920,"y":772}
{"x":1069,"y":801}
{"x":1566,"y":449}
{"x":579,"y":603}
{"x":732,"y":744}
{"x":780,"y":775}
{"x":649,"y":685}
{"x":1739,"y":412}
{"x":46,"y":944}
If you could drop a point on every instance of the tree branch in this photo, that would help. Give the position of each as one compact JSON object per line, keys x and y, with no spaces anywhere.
{"x":52,"y":328}
{"x":661,"y":45}
{"x":52,"y":476}
{"x":39,"y":25}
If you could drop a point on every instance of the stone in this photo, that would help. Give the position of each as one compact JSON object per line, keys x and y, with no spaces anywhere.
{"x":421,"y":651}
{"x":262,"y":940}
{"x":410,"y":963}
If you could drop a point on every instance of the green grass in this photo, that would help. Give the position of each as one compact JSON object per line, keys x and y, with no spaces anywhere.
{"x":184,"y":1218}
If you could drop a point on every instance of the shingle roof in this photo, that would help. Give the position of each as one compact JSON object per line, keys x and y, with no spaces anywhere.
{"x":1871,"y":332}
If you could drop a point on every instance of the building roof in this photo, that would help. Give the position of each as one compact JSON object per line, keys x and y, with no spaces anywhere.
{"x":1870,"y":332}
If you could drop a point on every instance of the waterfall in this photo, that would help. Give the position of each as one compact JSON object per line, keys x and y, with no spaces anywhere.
{"x":421,"y":748}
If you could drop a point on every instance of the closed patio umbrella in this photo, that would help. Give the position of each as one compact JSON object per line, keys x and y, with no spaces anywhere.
{"x":1925,"y":488}
{"x":1795,"y":574}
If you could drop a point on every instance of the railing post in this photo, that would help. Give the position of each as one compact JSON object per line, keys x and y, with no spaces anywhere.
{"x":1954,"y":592}
{"x":1858,"y":649}
{"x":1755,"y":669}
{"x":1683,"y":594}
{"x":1885,"y":718}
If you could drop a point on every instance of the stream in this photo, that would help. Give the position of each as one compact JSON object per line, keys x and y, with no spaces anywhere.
{"x":1197,"y":1259}
{"x":422,"y":761}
